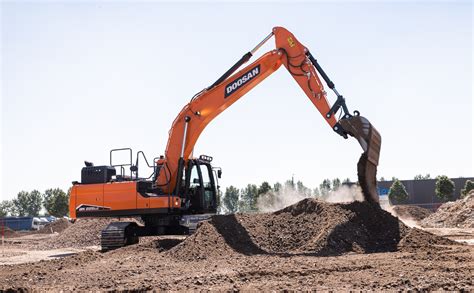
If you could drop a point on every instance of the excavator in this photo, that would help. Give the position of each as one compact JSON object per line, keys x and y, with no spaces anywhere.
{"x":182,"y":189}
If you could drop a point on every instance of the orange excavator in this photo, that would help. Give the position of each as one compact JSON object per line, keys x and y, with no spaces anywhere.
{"x":182,"y":189}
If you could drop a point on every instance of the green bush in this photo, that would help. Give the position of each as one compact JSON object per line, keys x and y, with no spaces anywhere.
{"x":444,"y":188}
{"x":468,"y":186}
{"x":397,"y":192}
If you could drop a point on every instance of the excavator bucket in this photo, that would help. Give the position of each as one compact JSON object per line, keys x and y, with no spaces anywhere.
{"x":370,"y":141}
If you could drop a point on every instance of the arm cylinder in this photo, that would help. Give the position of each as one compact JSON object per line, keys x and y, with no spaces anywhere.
{"x":321,"y":71}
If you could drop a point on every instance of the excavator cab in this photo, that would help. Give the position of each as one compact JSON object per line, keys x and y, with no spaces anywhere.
{"x":201,"y":186}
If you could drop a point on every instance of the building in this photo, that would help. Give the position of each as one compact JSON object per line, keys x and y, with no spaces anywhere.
{"x":422,"y":192}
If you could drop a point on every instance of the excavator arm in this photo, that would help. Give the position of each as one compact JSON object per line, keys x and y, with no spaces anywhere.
{"x":230,"y":87}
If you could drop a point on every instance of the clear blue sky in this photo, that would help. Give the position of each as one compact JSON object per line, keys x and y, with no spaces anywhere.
{"x":81,"y":78}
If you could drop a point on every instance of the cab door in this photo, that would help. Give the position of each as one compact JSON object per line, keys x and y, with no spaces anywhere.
{"x":209,"y":198}
{"x":194,"y":189}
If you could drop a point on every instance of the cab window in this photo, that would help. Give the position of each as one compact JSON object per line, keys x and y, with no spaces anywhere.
{"x":208,"y":200}
{"x":206,"y":180}
{"x":194,"y":179}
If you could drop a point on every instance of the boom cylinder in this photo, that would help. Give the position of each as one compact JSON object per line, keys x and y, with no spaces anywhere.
{"x":261,"y":43}
{"x":186,"y":121}
{"x":239,"y":63}
{"x":181,"y":159}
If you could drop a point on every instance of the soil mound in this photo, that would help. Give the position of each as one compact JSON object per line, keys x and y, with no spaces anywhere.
{"x":7,"y":232}
{"x":454,"y":214}
{"x":84,"y":232}
{"x":419,"y":240}
{"x":411,"y":212}
{"x":309,"y":227}
{"x":55,"y":227}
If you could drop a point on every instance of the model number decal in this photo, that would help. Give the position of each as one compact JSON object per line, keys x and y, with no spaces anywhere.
{"x":240,"y":81}
{"x":85,"y":208}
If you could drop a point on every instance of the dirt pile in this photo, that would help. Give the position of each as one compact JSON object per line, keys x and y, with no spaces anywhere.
{"x":55,"y":227}
{"x":419,"y":240}
{"x":309,"y":227}
{"x":411,"y":212}
{"x":84,"y":232}
{"x":454,"y":214}
{"x":7,"y":232}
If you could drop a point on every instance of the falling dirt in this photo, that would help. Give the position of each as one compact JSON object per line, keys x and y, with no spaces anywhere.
{"x":367,"y":178}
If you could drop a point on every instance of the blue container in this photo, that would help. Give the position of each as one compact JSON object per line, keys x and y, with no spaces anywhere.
{"x":17,"y":223}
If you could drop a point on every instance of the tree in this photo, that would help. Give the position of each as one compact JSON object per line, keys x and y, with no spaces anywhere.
{"x":421,"y":177}
{"x":231,"y":199}
{"x":468,"y":186}
{"x":7,"y":208}
{"x":248,"y":198}
{"x":277,"y":187}
{"x":303,"y":190}
{"x":316,"y":192}
{"x":56,"y":202}
{"x":336,"y":183}
{"x":28,"y":203}
{"x":346,"y":181}
{"x":264,"y":188}
{"x":397,"y":192}
{"x":382,"y":179}
{"x":290,"y":185}
{"x":444,"y":188}
{"x":325,"y":187}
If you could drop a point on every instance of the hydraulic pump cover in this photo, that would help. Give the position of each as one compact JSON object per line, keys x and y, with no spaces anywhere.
{"x":97,"y":174}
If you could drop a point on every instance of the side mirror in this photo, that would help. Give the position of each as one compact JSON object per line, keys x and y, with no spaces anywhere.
{"x":219,"y":173}
{"x":134,"y":168}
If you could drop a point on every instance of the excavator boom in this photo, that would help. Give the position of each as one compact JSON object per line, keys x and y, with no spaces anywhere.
{"x":231,"y":86}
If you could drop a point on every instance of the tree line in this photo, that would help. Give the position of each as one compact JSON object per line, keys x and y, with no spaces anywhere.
{"x":54,"y":200}
{"x":444,"y":189}
{"x":246,"y":199}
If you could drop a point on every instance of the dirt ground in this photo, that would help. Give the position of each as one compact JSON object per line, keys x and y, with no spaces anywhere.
{"x":310,"y":245}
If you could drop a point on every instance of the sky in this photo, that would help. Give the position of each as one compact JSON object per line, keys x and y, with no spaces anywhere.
{"x":81,"y":78}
